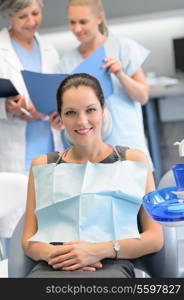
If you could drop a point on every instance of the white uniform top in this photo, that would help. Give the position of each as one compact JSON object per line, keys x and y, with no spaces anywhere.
{"x":128,"y":129}
{"x":12,"y":129}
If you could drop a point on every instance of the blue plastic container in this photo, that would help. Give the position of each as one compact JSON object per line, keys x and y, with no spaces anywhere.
{"x":178,"y":172}
{"x":166,"y":206}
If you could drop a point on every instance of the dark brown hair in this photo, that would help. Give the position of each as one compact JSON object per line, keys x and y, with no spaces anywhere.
{"x":76,"y":80}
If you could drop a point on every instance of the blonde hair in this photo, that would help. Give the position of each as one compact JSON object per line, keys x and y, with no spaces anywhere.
{"x":98,"y":8}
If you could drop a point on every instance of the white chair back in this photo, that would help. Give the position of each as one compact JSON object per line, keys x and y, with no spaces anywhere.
{"x":13,"y":191}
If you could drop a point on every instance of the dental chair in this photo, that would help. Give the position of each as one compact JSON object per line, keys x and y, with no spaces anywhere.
{"x":164,"y":264}
{"x":19,"y":265}
{"x":158,"y":265}
{"x":13,"y":191}
{"x":168,"y":180}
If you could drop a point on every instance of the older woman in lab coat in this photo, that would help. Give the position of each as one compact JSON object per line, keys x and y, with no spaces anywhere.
{"x":23,"y":137}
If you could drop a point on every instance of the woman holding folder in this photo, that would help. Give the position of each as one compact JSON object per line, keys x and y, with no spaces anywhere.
{"x":123,"y":62}
{"x":24,"y":132}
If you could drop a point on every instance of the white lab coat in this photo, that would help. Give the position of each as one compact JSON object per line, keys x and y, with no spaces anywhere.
{"x":12,"y":129}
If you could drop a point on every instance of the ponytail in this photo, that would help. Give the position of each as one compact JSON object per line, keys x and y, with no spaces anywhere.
{"x":103,"y":28}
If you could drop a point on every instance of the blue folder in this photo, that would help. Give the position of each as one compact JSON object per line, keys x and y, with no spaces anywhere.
{"x":42,"y":87}
{"x":7,"y":88}
{"x":42,"y":90}
{"x":93,"y":66}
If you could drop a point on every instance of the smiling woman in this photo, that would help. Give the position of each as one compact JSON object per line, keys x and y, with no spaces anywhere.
{"x":21,"y":48}
{"x":25,"y":22}
{"x":78,"y":218}
{"x":82,"y":108}
{"x":123,"y":61}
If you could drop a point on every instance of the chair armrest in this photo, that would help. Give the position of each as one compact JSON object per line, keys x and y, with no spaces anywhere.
{"x":19,"y":265}
{"x":164,"y":263}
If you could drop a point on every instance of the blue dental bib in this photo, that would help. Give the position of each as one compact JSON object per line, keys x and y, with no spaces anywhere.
{"x":92,"y":202}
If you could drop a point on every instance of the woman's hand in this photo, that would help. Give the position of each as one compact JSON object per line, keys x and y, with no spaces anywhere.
{"x":75,"y":255}
{"x":13,"y":105}
{"x":135,"y":86}
{"x":113,"y":65}
{"x":34,"y":113}
{"x":92,"y":268}
{"x":55,"y":121}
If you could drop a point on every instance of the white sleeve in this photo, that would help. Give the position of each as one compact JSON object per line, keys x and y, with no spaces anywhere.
{"x":55,"y":60}
{"x":69,"y":61}
{"x":132,"y":55}
{"x":63,"y":65}
{"x":3,"y":113}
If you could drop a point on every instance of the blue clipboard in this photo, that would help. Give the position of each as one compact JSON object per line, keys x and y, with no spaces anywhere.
{"x":93,"y":65}
{"x":42,"y":89}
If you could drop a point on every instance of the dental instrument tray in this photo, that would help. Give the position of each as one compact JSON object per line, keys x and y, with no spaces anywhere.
{"x":166,"y":206}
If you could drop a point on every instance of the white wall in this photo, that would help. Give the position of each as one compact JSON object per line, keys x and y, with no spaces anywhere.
{"x":54,"y":12}
{"x":155,"y":34}
{"x":153,"y":31}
